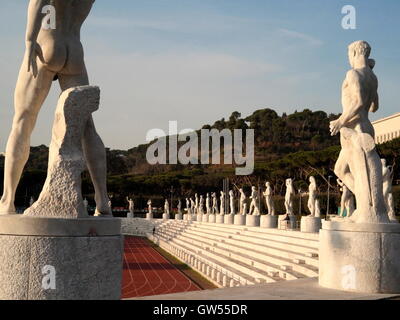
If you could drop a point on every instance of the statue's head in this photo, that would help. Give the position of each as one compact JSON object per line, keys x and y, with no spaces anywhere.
{"x":267,"y":184}
{"x":357,"y":50}
{"x":383,"y":162}
{"x":312,"y":179}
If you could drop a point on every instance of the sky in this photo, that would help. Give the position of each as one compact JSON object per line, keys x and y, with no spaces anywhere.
{"x":197,"y":61}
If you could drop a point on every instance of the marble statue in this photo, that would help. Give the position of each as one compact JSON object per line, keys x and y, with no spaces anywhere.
{"x":347,"y":200}
{"x":244,"y":209}
{"x":179,"y":206}
{"x":214,"y":209}
{"x":317,"y":211}
{"x":131,"y":207}
{"x":51,"y":55}
{"x":289,"y":197}
{"x":312,"y":196}
{"x":201,"y":205}
{"x":150,"y":208}
{"x":222,"y":203}
{"x":196,"y":203}
{"x":268,"y":199}
{"x":166,"y":207}
{"x":358,"y":165}
{"x":192,"y":206}
{"x":254,"y":208}
{"x":208,"y":204}
{"x":242,"y":202}
{"x":232,"y":202}
{"x":387,"y":174}
{"x":188,"y":210}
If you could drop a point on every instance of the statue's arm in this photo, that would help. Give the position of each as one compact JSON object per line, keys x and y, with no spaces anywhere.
{"x":35,"y":17}
{"x":356,"y":103}
{"x":34,"y":24}
{"x":375,"y":103}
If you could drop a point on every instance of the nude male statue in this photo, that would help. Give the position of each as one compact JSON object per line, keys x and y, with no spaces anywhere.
{"x":346,"y":201}
{"x":53,"y":54}
{"x":289,"y":197}
{"x":358,"y":165}
{"x":268,"y":198}
{"x":312,"y":196}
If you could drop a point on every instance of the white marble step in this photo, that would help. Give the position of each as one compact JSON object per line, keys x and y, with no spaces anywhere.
{"x":241,"y":277}
{"x":257,"y":258}
{"x":226,"y":254}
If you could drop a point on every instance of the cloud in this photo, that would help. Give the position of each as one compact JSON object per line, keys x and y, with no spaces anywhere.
{"x":300,"y":36}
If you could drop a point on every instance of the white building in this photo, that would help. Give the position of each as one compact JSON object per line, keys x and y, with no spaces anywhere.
{"x":387,"y":129}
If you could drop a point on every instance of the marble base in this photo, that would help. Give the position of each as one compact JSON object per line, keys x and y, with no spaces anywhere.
{"x":205,"y":217}
{"x":269,"y":222}
{"x":130,"y":215}
{"x":358,"y":257}
{"x":292,"y":224}
{"x":229,"y":219}
{"x":185,"y":217}
{"x":252,"y":221}
{"x":240,"y":220}
{"x":219,"y":218}
{"x":310,"y":224}
{"x":211,"y":218}
{"x":179,"y":216}
{"x":60,"y":259}
{"x":165,"y":216}
{"x":199,"y":217}
{"x":149,"y":216}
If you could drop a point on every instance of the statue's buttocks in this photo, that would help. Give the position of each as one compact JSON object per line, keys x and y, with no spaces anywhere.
{"x":61,"y":47}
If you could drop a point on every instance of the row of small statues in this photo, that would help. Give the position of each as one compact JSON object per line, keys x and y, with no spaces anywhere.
{"x":347,"y":204}
{"x":209,"y":204}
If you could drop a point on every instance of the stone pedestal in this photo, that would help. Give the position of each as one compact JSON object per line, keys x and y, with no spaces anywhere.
{"x":360,"y":257}
{"x":291,"y":224}
{"x":269,"y":222}
{"x":130,"y":215}
{"x":179,"y":216}
{"x":229,"y":218}
{"x":219,"y":218}
{"x":165,"y":216}
{"x":211,"y":218}
{"x":64,"y":259}
{"x":199,"y":217}
{"x":252,"y":220}
{"x":240,"y":220}
{"x":310,"y":224}
{"x":149,"y":216}
{"x":192,"y":217}
{"x":205,"y":217}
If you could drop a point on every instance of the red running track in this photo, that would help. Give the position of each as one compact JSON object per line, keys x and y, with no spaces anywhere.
{"x":146,"y":272}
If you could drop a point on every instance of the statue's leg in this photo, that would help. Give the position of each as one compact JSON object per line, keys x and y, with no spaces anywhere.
{"x":342,"y":170}
{"x":93,"y":148}
{"x":30,"y":94}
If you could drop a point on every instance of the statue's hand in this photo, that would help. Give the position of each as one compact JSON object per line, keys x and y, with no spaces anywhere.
{"x":33,"y":51}
{"x":335,"y":127}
